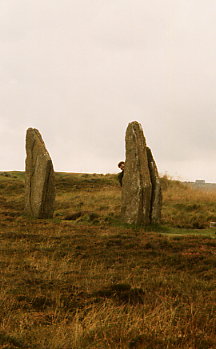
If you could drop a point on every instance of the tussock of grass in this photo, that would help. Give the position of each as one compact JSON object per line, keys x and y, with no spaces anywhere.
{"x":90,"y":281}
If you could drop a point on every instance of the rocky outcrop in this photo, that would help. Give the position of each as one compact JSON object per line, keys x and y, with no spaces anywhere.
{"x":39,"y":179}
{"x":141,"y":191}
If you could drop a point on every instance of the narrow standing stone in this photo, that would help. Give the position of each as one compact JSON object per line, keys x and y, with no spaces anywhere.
{"x":39,"y":181}
{"x":156,"y":199}
{"x":137,"y":186}
{"x":141,"y":190}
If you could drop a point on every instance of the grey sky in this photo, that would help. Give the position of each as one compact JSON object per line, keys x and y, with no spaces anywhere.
{"x":80,"y":70}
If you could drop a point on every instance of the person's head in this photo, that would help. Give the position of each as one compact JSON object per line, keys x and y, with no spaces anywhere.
{"x":121,"y":165}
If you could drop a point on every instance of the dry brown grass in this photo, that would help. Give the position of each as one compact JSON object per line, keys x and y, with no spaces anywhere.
{"x":186,"y":207}
{"x":92,"y":282}
{"x":185,"y":193}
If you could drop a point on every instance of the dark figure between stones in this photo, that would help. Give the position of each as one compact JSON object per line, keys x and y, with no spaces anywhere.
{"x":121,"y":165}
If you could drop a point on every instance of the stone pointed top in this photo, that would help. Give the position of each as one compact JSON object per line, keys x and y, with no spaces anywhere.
{"x":32,"y":136}
{"x":135,"y":126}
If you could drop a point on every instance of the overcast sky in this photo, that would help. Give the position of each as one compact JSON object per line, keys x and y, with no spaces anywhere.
{"x":80,"y":70}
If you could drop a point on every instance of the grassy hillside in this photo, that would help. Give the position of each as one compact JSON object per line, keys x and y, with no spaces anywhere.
{"x":85,"y":280}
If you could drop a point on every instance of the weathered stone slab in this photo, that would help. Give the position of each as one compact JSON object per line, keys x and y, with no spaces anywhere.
{"x":39,"y":180}
{"x":137,"y":186}
{"x":141,"y":189}
{"x":156,"y":199}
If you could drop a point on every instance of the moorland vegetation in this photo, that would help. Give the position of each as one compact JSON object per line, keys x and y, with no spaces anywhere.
{"x":86,"y":280}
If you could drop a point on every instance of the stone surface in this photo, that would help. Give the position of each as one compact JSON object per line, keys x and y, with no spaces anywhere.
{"x":137,"y":187}
{"x":39,"y":180}
{"x":141,"y":190}
{"x":156,"y":199}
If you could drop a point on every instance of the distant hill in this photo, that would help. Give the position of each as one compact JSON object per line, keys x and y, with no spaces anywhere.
{"x":199,"y":184}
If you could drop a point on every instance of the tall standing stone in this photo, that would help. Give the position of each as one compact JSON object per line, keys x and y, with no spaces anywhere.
{"x":137,"y":186}
{"x":39,"y":181}
{"x":141,"y":190}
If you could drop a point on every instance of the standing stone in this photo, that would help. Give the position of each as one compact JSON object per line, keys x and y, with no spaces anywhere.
{"x":137,"y":186}
{"x":141,"y":190}
{"x":40,"y":187}
{"x":156,"y":200}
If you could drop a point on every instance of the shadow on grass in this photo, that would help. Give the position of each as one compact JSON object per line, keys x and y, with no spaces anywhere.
{"x":123,"y":294}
